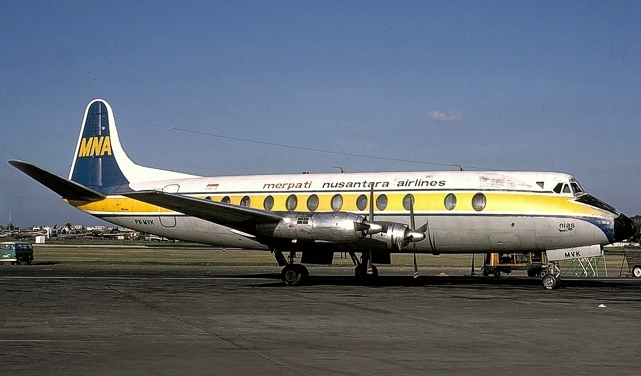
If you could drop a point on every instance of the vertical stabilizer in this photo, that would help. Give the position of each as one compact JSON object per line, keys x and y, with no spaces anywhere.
{"x":100,"y":162}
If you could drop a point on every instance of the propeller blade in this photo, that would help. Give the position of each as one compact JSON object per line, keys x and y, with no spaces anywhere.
{"x":413,"y":234}
{"x":371,"y":203}
{"x":370,"y":267}
{"x":412,"y":222}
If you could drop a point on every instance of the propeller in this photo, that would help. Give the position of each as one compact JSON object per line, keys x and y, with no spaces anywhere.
{"x":370,"y":267}
{"x":413,"y":229}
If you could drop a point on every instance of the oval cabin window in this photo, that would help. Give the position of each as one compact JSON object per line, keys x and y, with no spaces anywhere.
{"x":337,"y":203}
{"x":291,"y":203}
{"x":381,"y":202}
{"x":268,"y":203}
{"x":450,"y":201}
{"x":408,"y":200}
{"x":479,"y":201}
{"x":312,"y":203}
{"x":361,"y":202}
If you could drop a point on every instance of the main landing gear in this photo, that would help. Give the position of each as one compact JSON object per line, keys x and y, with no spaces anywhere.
{"x":292,"y":274}
{"x":360,"y":270}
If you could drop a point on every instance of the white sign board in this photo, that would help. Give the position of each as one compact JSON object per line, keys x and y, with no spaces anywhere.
{"x":574,"y":253}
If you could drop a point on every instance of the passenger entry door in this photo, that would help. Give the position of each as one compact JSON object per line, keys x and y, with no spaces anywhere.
{"x":168,"y":220}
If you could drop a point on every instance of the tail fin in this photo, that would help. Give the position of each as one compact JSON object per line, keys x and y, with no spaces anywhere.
{"x":100,"y":162}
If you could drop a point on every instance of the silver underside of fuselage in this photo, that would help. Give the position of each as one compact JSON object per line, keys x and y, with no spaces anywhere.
{"x":445,"y":234}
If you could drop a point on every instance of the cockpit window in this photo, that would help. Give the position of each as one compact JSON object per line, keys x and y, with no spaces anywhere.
{"x":572,"y":187}
{"x":576,"y":188}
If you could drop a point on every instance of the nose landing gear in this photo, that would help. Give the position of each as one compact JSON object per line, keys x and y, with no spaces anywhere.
{"x":551,"y":274}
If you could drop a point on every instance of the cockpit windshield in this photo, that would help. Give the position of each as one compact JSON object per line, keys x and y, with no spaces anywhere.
{"x":571,"y":187}
{"x":576,"y":188}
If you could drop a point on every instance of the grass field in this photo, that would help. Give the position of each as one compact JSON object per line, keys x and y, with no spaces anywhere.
{"x":168,"y":254}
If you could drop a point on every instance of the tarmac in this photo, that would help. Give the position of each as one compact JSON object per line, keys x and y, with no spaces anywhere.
{"x":168,"y":320}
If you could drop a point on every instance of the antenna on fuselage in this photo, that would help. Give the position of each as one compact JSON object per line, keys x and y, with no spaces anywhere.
{"x":340,"y":168}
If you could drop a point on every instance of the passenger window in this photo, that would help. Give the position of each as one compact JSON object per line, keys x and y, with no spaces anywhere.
{"x":312,"y":203}
{"x":361,"y":202}
{"x":479,"y":201}
{"x":291,"y":203}
{"x":408,"y":201}
{"x":245,"y":201}
{"x":208,"y":198}
{"x":381,"y":202}
{"x":450,"y":201}
{"x":268,"y":203}
{"x":225,"y":200}
{"x":337,"y":203}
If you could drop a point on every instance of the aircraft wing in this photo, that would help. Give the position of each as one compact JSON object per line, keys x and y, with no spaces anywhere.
{"x":66,"y":188}
{"x":234,"y":216}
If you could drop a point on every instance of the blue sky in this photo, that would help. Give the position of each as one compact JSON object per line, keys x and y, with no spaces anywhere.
{"x":548,"y":86}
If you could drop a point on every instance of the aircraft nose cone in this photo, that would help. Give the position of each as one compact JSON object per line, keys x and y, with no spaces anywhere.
{"x":623,"y":228}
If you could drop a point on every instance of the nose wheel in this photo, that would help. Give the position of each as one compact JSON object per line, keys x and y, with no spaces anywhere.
{"x":551,"y":276}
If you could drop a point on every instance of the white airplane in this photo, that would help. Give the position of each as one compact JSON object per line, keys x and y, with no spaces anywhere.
{"x":316,"y":215}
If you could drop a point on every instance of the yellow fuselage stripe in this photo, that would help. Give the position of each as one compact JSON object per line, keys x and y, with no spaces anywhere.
{"x":425,"y":203}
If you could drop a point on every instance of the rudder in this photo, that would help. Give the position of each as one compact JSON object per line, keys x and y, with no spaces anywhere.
{"x":95,"y":164}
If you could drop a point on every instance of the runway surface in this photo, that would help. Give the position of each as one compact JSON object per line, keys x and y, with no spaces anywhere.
{"x":141,"y":320}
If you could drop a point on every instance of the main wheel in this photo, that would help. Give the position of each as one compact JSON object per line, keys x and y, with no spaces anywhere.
{"x":361,"y":272}
{"x":550,"y":282}
{"x":294,"y":274}
{"x":636,"y":271}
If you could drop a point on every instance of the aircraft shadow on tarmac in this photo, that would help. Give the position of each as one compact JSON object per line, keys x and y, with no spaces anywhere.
{"x":408,"y":281}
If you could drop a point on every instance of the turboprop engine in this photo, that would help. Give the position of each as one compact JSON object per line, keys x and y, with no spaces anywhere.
{"x":339,"y":227}
{"x":397,"y":235}
{"x":332,"y":227}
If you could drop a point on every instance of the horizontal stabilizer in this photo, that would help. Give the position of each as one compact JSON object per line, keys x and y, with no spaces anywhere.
{"x":66,"y":188}
{"x":217,"y":212}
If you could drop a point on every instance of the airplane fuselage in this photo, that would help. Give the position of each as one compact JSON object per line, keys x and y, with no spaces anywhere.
{"x":461,"y":211}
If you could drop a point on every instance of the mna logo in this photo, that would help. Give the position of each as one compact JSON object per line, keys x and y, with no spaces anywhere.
{"x":95,"y":146}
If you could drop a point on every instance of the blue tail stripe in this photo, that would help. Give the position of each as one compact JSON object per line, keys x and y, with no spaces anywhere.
{"x":96,"y":166}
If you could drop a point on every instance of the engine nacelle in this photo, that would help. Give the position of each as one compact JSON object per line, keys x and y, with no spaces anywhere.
{"x":332,"y":227}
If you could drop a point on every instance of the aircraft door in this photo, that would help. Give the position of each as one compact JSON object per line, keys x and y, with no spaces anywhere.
{"x":169,"y":220}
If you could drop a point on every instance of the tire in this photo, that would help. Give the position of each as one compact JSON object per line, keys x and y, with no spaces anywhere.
{"x":294,"y":274}
{"x":636,"y":271}
{"x":550,"y":282}
{"x":360,"y":272}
